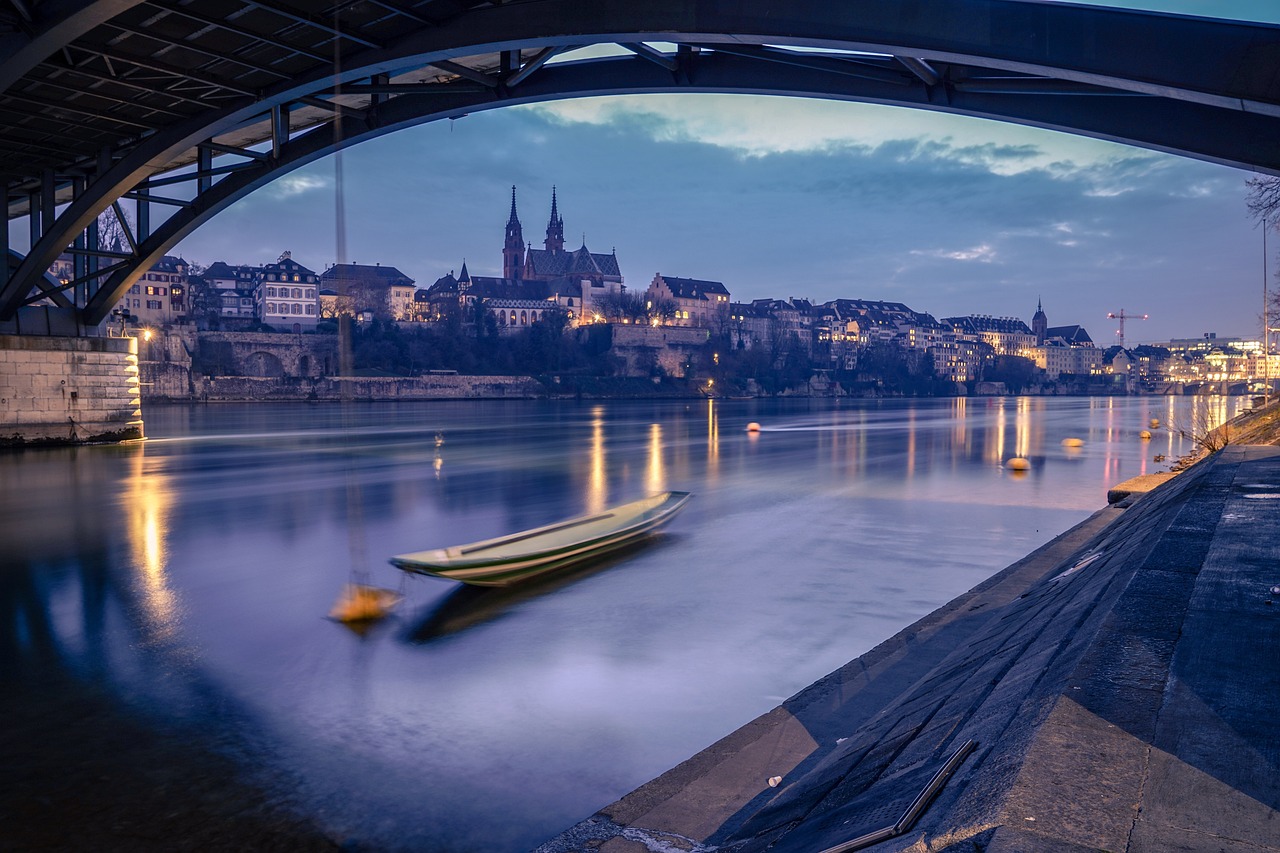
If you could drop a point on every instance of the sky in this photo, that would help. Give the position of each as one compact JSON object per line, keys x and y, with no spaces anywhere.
{"x":788,"y":197}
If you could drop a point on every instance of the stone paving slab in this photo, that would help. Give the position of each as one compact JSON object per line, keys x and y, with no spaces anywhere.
{"x":1121,"y":684}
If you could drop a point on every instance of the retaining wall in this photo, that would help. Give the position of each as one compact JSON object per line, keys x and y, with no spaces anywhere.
{"x":250,"y":388}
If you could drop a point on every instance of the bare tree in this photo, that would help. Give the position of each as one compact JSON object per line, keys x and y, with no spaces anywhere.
{"x":113,"y":235}
{"x":1263,"y":199}
{"x":663,"y":310}
{"x":1202,"y":423}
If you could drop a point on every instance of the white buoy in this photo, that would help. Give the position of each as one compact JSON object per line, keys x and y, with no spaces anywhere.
{"x":753,"y":427}
{"x":775,"y":781}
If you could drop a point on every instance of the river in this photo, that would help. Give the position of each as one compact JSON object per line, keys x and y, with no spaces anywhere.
{"x":191,"y":574}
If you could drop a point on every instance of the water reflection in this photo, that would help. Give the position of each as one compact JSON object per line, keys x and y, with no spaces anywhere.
{"x":147,"y":501}
{"x":657,"y":479}
{"x":489,"y":721}
{"x":598,"y":493}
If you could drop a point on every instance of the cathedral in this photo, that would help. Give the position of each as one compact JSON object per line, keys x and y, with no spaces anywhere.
{"x":531,"y":277}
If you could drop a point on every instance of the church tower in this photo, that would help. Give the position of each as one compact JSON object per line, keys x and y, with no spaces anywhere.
{"x":1039,"y":324}
{"x":555,"y":228}
{"x":513,"y":248}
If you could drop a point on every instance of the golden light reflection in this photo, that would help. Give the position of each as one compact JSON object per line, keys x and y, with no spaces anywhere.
{"x":148,"y":501}
{"x":597,"y":490}
{"x":1022,"y":428}
{"x":713,"y":440}
{"x":995,"y":440}
{"x":960,"y":429}
{"x":657,"y":477}
{"x":911,"y":443}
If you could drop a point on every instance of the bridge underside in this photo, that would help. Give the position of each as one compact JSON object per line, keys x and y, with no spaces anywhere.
{"x":178,"y":110}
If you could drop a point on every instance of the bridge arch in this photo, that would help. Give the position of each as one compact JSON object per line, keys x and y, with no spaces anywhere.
{"x":1209,"y":92}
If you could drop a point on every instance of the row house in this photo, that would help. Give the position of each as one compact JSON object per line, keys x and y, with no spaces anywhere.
{"x":288,"y":295}
{"x":283,"y":294}
{"x":698,"y":302}
{"x":748,"y":325}
{"x":159,"y":296}
{"x":385,"y":292}
{"x":957,"y":358}
{"x":235,"y":288}
{"x":1006,"y":335}
{"x":1056,"y":357}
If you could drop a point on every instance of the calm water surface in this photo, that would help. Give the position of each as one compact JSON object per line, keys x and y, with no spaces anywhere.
{"x":192,"y":573}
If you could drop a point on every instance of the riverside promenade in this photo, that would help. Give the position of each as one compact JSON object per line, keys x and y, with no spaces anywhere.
{"x":1117,"y":690}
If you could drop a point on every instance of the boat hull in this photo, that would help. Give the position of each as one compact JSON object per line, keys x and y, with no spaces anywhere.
{"x":547,"y":549}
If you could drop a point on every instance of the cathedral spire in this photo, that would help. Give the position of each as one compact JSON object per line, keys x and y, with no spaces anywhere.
{"x":1040,"y":323}
{"x":513,"y":247}
{"x":555,"y":227}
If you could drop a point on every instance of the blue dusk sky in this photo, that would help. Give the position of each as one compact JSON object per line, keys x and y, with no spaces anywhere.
{"x":786,"y":197}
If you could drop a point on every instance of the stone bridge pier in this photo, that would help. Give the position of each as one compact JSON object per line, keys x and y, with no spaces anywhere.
{"x":68,"y":390}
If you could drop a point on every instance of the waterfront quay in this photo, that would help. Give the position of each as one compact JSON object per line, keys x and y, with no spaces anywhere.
{"x":1114,"y":690}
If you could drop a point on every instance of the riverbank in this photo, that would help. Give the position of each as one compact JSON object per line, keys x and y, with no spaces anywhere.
{"x":1113,"y":687}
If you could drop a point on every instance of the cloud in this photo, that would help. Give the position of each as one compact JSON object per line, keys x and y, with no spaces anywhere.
{"x":753,"y":126}
{"x":296,"y":184}
{"x":984,"y":253}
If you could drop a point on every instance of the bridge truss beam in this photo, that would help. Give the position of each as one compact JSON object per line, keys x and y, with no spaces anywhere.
{"x":261,"y":95}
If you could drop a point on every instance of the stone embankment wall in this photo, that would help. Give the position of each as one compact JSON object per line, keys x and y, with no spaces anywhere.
{"x":228,"y":389}
{"x":68,"y":390}
{"x":644,"y":347}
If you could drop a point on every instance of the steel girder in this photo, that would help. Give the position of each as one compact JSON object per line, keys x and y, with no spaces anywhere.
{"x":1209,"y":89}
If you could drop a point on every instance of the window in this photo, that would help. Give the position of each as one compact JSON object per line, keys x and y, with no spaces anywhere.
{"x":134,"y":289}
{"x":297,"y":309}
{"x":271,"y":308}
{"x":311,"y":309}
{"x":271,"y":276}
{"x":513,"y":318}
{"x":271,"y":292}
{"x":311,"y":293}
{"x":524,"y":318}
{"x":297,"y":292}
{"x":151,"y":289}
{"x":153,"y":304}
{"x":297,"y":278}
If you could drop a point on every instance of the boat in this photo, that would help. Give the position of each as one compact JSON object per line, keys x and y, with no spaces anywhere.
{"x":518,"y":556}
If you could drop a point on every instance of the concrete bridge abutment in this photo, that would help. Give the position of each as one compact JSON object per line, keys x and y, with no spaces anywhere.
{"x":68,"y":390}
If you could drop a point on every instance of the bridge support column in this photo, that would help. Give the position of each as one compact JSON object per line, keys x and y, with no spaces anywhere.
{"x":60,"y":390}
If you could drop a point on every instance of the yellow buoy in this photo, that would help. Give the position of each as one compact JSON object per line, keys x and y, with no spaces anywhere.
{"x":1073,"y":442}
{"x":1155,"y":423}
{"x":363,"y":603}
{"x":753,"y":427}
{"x":1017,"y":463}
{"x":1144,"y":435}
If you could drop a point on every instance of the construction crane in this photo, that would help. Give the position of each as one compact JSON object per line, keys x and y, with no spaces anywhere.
{"x":1122,"y":316}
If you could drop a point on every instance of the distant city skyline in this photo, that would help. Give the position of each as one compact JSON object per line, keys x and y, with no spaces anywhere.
{"x":788,"y":197}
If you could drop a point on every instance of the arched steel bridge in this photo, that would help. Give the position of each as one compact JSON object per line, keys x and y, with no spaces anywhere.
{"x":181,"y":107}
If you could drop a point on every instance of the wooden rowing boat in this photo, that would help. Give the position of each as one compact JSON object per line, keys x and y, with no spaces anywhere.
{"x":515,"y":557}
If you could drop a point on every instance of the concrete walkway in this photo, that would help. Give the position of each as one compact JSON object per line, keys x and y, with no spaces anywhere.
{"x":1121,"y":684}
